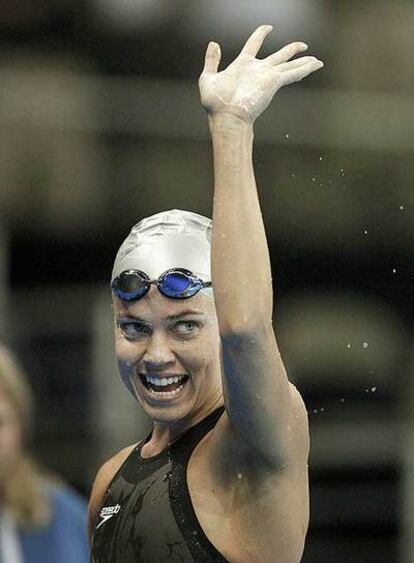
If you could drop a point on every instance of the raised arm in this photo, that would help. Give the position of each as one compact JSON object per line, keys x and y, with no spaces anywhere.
{"x":265,"y":411}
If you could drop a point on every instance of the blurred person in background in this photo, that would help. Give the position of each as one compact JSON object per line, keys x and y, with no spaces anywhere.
{"x":41,"y":520}
{"x":223,"y":475}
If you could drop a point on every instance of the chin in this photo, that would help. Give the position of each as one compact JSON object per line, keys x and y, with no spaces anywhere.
{"x":166,"y":413}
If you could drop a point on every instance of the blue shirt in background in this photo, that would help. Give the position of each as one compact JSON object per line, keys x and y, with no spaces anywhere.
{"x":64,"y":540}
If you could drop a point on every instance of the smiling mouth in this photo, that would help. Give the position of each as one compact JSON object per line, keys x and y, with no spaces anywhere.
{"x":165,"y":386}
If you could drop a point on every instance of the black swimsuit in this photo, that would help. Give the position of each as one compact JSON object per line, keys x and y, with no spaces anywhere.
{"x":147,"y":514}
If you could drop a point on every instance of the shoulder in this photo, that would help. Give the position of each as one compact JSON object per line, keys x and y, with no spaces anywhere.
{"x":229,"y":453}
{"x":102,"y":481}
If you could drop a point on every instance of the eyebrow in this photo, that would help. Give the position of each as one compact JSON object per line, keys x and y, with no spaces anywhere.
{"x":172,"y":317}
{"x":183,"y":313}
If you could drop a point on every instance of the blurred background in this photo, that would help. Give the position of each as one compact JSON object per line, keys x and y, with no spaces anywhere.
{"x":101,"y":125}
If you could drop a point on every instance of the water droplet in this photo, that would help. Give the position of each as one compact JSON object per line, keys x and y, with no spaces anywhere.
{"x":394,"y":270}
{"x":315,"y":410}
{"x":342,"y":400}
{"x":401,"y":207}
{"x":287,"y":135}
{"x":313,"y":179}
{"x":321,"y":158}
{"x":239,"y":475}
{"x":365,"y":232}
{"x":293,"y":175}
{"x":373,"y":389}
{"x":322,"y":409}
{"x":348,"y":345}
{"x":365,"y":344}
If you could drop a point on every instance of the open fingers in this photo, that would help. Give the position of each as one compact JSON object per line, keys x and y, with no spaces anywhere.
{"x":255,"y":41}
{"x":212,"y":58}
{"x":286,"y":53}
{"x":297,"y":73}
{"x":296,"y":63}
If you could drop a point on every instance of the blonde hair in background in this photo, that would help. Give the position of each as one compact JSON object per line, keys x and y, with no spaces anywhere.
{"x":22,"y":489}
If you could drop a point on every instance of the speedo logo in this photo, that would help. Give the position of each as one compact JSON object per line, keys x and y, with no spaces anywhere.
{"x":107,"y":512}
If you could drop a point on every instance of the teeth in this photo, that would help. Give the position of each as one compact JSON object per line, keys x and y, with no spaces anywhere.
{"x":167,"y":394}
{"x":162,"y":382}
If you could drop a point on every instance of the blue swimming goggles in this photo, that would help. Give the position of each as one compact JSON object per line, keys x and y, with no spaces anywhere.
{"x":176,"y":283}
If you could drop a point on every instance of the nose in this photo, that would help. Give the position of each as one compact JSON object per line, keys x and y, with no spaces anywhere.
{"x":158,"y":353}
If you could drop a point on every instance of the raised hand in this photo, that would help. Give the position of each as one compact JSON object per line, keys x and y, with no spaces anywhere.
{"x":246,"y":87}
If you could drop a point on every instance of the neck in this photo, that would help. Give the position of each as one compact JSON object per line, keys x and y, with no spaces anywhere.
{"x":165,"y":433}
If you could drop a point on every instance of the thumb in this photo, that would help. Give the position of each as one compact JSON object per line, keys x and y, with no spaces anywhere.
{"x":212,"y":58}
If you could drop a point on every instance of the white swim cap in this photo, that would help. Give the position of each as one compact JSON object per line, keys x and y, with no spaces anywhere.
{"x":169,"y":239}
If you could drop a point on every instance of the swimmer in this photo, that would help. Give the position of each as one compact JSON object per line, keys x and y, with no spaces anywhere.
{"x":223,"y":474}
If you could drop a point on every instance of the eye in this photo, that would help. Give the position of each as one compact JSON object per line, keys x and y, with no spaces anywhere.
{"x":133,"y":329}
{"x":185,"y":327}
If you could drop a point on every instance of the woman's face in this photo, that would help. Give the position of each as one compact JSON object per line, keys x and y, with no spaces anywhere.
{"x":168,"y":351}
{"x":10,"y":434}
